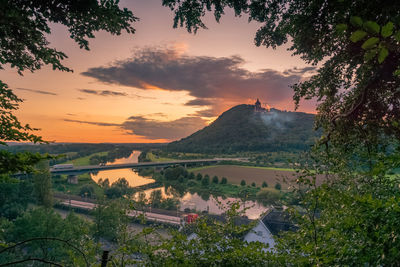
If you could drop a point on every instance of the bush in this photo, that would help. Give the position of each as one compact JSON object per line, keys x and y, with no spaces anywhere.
{"x":264,"y":184}
{"x":243,"y":183}
{"x":268,"y":196}
{"x":181,"y":179}
{"x":191,"y":183}
{"x":224,"y":180}
{"x":199,"y":177}
{"x":278,"y":186}
{"x":191,"y":176}
{"x":86,"y":191}
{"x":205,"y":181}
{"x":215,"y":179}
{"x":253,"y":184}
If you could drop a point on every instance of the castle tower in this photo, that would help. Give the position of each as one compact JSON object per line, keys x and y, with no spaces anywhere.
{"x":257,"y":105}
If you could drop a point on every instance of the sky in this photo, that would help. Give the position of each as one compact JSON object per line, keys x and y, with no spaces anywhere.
{"x":158,"y":85}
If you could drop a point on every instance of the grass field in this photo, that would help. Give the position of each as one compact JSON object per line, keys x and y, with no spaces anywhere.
{"x":85,"y":160}
{"x":258,"y":175}
{"x":154,"y":158}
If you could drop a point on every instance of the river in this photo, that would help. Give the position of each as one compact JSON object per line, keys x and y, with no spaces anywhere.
{"x":214,"y":205}
{"x":132,"y":176}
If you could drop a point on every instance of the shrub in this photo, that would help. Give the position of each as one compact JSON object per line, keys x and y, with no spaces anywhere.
{"x":191,"y":176}
{"x":264,"y":184}
{"x":215,"y":179}
{"x":191,"y":183}
{"x":205,"y":181}
{"x":224,"y":180}
{"x":86,"y":191}
{"x":278,"y":186}
{"x":253,"y":184}
{"x":199,"y":177}
{"x":243,"y":183}
{"x":181,"y":179}
{"x":268,"y":196}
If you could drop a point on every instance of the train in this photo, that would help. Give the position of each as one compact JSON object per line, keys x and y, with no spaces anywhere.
{"x":63,"y":166}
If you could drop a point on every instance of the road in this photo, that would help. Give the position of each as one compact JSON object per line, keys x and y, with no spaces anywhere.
{"x":155,"y":217}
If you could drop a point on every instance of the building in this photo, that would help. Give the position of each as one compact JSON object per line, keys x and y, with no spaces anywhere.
{"x":257,"y":106}
{"x":275,"y":221}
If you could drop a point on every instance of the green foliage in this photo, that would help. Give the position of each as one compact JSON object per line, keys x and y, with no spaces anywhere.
{"x":269,"y":196}
{"x":118,"y":189}
{"x":14,"y":197}
{"x":42,"y":185}
{"x":253,"y":184}
{"x":243,"y":183}
{"x":224,"y":180}
{"x":264,"y":184}
{"x":206,"y":180}
{"x":45,"y":223}
{"x":356,"y":87}
{"x":199,"y":176}
{"x":215,"y":179}
{"x":110,"y":219}
{"x":216,"y":243}
{"x":278,"y":186}
{"x":87,"y":191}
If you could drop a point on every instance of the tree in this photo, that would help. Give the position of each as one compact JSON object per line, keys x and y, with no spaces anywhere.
{"x":42,"y":185}
{"x":216,"y":243}
{"x":199,"y":177}
{"x":243,"y":183}
{"x":215,"y":179}
{"x":354,"y":42}
{"x":28,"y":49}
{"x":206,"y":180}
{"x":264,"y":184}
{"x":278,"y":186}
{"x":224,"y":180}
{"x":43,"y":234}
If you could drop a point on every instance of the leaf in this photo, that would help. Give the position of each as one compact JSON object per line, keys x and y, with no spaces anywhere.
{"x":372,"y":26}
{"x":397,"y":36}
{"x":357,"y":36}
{"x":370,"y":43}
{"x":340,"y":28}
{"x":356,"y":21}
{"x":370,"y":54}
{"x":397,"y":72}
{"x":383,"y":53}
{"x":387,"y":30}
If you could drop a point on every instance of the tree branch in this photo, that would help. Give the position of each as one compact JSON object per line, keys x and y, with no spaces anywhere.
{"x":47,"y":238}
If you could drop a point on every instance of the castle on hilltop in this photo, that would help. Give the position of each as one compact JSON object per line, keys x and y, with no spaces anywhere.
{"x":257,"y":106}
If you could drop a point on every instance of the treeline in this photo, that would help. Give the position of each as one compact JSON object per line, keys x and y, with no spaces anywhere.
{"x":112,"y":155}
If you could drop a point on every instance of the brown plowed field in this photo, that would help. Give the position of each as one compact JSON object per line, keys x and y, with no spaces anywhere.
{"x":235,"y":174}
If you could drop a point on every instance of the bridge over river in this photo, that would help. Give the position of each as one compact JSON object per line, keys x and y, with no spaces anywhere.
{"x":94,"y":168}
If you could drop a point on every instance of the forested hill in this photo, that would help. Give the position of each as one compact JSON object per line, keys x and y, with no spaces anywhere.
{"x":241,"y":128}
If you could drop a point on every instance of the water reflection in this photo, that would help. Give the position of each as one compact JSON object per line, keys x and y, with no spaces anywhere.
{"x":214,"y":205}
{"x":133,"y":178}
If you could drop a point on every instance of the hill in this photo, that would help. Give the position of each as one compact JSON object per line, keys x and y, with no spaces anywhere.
{"x":241,"y":128}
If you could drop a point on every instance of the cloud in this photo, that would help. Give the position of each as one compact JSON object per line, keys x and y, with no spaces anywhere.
{"x":102,"y":92}
{"x":155,"y":129}
{"x":36,"y":91}
{"x":199,"y":102}
{"x":204,"y":77}
{"x":93,"y":123}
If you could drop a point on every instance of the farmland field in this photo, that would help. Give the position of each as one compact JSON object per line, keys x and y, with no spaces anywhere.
{"x":235,"y":174}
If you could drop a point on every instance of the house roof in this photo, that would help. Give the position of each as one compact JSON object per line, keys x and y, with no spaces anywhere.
{"x":278,"y":220}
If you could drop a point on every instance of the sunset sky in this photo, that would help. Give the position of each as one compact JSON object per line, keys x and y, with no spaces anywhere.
{"x":157,"y":85}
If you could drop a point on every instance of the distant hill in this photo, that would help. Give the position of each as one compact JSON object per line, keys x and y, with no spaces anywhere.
{"x":241,"y":128}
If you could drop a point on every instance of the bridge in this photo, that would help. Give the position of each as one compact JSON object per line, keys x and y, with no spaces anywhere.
{"x":94,"y":168}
